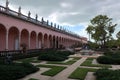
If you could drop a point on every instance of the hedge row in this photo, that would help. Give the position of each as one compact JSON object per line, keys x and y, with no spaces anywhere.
{"x":105,"y":74}
{"x":54,"y":55}
{"x":20,"y":56}
{"x":16,"y":70}
{"x":109,"y":59}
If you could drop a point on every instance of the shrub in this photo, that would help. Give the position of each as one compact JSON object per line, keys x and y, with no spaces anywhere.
{"x":105,"y":60}
{"x":22,"y":56}
{"x":105,"y":74}
{"x":54,"y":56}
{"x":16,"y":70}
{"x":109,"y":59}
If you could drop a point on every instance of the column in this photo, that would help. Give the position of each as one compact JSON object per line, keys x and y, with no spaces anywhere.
{"x":19,"y":37}
{"x":6,"y":39}
{"x":42,"y":45}
{"x":29,"y":41}
{"x":37,"y":41}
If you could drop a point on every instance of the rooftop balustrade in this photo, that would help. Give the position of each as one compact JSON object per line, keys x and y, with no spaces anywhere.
{"x":41,"y":23}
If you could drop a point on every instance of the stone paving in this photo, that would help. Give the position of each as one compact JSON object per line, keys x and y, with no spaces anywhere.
{"x":63,"y":75}
{"x":90,"y":76}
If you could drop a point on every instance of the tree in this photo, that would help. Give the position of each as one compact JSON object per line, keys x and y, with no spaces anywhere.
{"x":118,"y":35}
{"x":89,"y":30}
{"x":118,"y":40}
{"x":101,"y":29}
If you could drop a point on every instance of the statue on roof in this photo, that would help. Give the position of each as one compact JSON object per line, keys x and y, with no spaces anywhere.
{"x":42,"y":20}
{"x":19,"y":9}
{"x":47,"y":22}
{"x":29,"y":14}
{"x":7,"y":3}
{"x":36,"y":17}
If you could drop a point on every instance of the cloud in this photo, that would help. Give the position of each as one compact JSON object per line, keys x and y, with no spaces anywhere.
{"x":72,"y":13}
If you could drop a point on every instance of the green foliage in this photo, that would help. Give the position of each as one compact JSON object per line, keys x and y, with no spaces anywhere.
{"x":105,"y":74}
{"x":63,"y":63}
{"x":93,"y":45}
{"x":16,"y":70}
{"x":28,"y":60}
{"x":109,"y":59}
{"x":80,"y":73}
{"x":54,"y":56}
{"x":32,"y":79}
{"x":53,"y":71}
{"x":23,"y":56}
{"x":112,"y":43}
{"x":88,"y":63}
{"x":118,"y":35}
{"x":101,"y":29}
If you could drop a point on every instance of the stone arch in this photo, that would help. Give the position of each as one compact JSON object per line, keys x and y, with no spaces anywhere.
{"x":40,"y":37}
{"x":45,"y":41}
{"x":33,"y":40}
{"x":13,"y":38}
{"x":25,"y":37}
{"x":2,"y":37}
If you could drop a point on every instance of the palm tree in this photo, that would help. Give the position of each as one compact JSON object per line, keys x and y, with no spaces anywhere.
{"x":89,"y":30}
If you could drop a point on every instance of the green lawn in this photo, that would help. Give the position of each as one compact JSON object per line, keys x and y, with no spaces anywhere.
{"x":53,"y":71}
{"x":80,"y":73}
{"x":88,"y":63}
{"x":28,"y":60}
{"x":76,"y":58}
{"x":32,"y":79}
{"x":63,"y":63}
{"x":70,"y":62}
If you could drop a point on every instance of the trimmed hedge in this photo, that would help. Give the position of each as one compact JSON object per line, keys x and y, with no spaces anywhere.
{"x":16,"y":70}
{"x":19,"y":56}
{"x":23,"y":56}
{"x":54,"y":56}
{"x":109,"y":59}
{"x":105,"y":74}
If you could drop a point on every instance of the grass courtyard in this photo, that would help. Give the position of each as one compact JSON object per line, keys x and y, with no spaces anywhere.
{"x":71,"y":68}
{"x":78,"y":73}
{"x":54,"y":69}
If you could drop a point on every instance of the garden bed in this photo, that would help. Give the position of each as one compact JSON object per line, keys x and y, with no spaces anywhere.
{"x":80,"y":73}
{"x":88,"y":62}
{"x":53,"y":71}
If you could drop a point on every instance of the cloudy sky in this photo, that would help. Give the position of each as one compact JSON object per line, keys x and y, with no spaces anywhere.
{"x":73,"y":15}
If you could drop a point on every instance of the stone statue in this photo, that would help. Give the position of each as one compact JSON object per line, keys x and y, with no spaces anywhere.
{"x":36,"y":17}
{"x":29,"y":14}
{"x":47,"y":22}
{"x":19,"y":10}
{"x":7,"y":3}
{"x":42,"y":20}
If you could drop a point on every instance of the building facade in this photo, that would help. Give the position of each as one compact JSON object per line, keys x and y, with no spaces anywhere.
{"x":17,"y":29}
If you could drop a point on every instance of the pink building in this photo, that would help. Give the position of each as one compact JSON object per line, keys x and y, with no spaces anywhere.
{"x":17,"y":29}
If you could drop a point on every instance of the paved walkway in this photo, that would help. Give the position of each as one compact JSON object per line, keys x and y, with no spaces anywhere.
{"x":90,"y":76}
{"x":65,"y":73}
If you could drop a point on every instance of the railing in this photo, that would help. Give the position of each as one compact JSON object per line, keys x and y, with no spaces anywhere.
{"x":17,"y":52}
{"x":4,"y":53}
{"x":24,"y":17}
